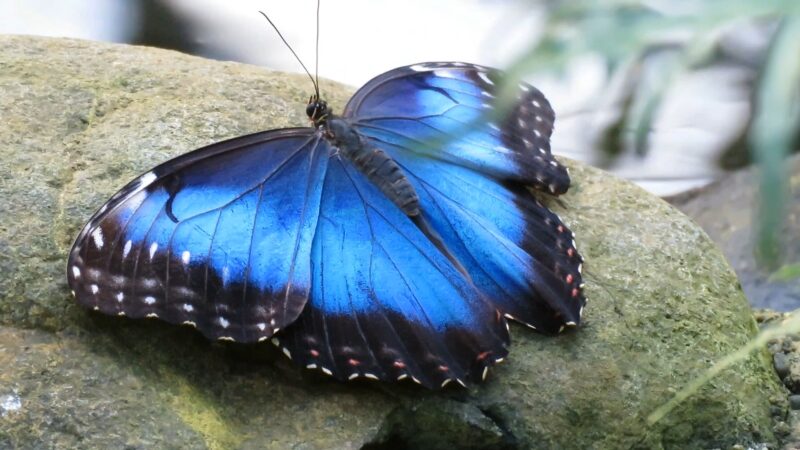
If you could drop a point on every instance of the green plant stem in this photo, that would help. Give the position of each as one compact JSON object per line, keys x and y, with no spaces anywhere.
{"x":790,"y":325}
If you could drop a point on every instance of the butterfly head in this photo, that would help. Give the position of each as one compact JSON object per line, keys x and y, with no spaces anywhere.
{"x":317,"y":110}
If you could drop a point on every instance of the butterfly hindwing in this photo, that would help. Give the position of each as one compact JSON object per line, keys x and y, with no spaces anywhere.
{"x":219,"y":238}
{"x":385,"y":302}
{"x":472,"y":183}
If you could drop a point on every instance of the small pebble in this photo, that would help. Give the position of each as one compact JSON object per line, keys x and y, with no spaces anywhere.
{"x":794,"y":401}
{"x":782,"y":429}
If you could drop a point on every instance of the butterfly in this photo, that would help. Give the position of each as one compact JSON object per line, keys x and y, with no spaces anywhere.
{"x":392,"y":242}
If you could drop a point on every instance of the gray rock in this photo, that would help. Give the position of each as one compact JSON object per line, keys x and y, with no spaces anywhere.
{"x":80,"y":119}
{"x":728,"y":211}
{"x":794,"y":401}
{"x":781,"y":363}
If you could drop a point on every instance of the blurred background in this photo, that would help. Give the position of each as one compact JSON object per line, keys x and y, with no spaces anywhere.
{"x":695,"y":100}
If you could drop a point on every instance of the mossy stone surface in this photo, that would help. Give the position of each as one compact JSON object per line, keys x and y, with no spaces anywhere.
{"x":80,"y":119}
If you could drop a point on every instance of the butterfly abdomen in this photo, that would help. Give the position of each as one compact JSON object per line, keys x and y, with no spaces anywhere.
{"x":377,"y":165}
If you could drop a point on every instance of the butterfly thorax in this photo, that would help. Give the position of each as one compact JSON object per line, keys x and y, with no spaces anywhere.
{"x":374,"y":163}
{"x":377,"y":165}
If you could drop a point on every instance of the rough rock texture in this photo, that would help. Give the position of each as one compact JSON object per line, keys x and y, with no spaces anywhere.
{"x":727,"y":211}
{"x":80,"y":119}
{"x":785,"y":352}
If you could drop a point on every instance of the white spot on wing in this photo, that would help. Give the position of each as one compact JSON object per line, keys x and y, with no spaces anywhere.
{"x":120,"y":296}
{"x":147,"y":179}
{"x":262,"y":326}
{"x":127,"y":248}
{"x":223,"y":322}
{"x":149,"y":300}
{"x":444,"y":74}
{"x":97,"y":236}
{"x":187,"y":307}
{"x":76,"y":272}
{"x":95,"y":289}
{"x":185,"y":256}
{"x":485,"y":78}
{"x":418,"y":68}
{"x":153,"y":248}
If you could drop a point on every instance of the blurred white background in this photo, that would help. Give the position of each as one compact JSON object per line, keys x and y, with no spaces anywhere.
{"x":360,"y":39}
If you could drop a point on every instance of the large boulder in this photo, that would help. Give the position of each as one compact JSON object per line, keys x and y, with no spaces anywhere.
{"x":79,"y":119}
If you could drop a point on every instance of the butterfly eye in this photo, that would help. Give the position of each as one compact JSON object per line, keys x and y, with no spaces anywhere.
{"x":310,"y":109}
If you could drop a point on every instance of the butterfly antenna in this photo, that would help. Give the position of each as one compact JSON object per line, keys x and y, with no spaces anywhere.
{"x":316,"y":86}
{"x":316,"y":63}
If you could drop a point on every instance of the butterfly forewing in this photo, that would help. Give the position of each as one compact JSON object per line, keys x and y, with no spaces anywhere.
{"x":219,"y":238}
{"x":445,"y":111}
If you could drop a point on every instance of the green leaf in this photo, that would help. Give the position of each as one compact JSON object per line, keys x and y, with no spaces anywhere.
{"x":788,"y":272}
{"x":776,"y":117}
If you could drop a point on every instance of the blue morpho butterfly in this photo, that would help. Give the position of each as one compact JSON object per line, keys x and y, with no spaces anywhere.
{"x":390,"y":242}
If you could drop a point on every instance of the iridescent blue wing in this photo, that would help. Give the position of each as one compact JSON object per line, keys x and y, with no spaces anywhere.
{"x":451,"y":103}
{"x":219,"y":238}
{"x":386,"y":304}
{"x":471,"y":175}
